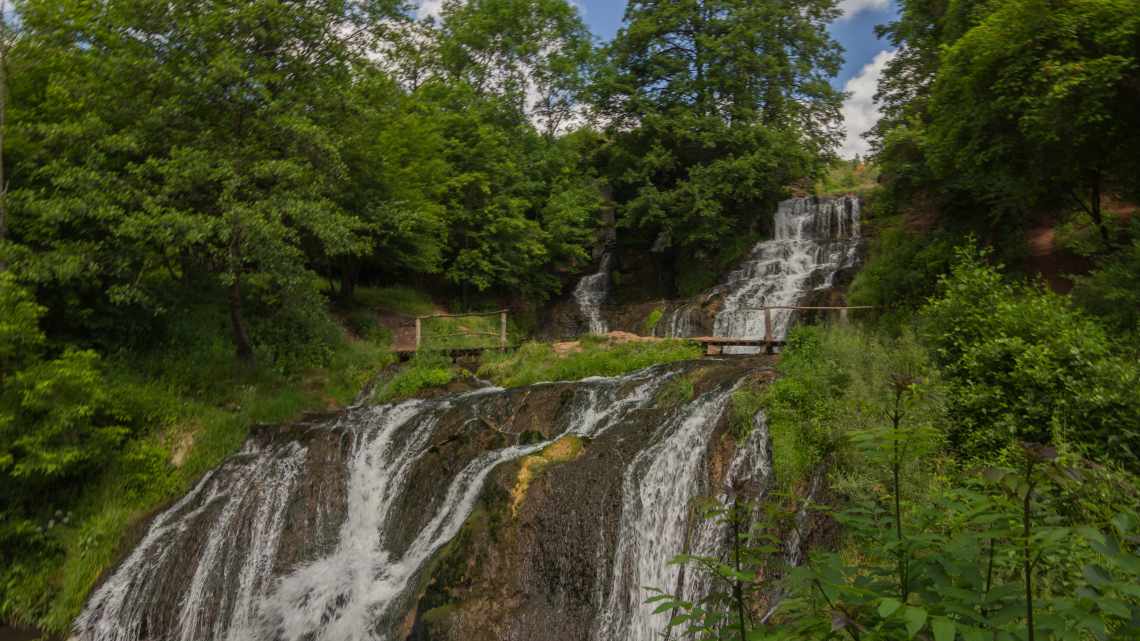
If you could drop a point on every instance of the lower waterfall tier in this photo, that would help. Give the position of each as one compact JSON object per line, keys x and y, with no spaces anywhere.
{"x":533,"y":513}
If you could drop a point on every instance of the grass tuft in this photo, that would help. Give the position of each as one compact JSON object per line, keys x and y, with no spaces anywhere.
{"x":538,"y":362}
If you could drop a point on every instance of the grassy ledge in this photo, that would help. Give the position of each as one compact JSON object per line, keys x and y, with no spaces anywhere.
{"x":592,"y":356}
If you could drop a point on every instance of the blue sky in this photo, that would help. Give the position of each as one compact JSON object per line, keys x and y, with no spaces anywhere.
{"x":865,"y":56}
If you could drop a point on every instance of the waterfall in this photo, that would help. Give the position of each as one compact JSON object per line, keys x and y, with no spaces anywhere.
{"x":678,"y":323}
{"x":813,"y":239}
{"x":592,"y":291}
{"x":659,"y":488}
{"x":216,"y":565}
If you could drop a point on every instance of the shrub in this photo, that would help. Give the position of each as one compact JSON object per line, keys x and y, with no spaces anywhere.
{"x":649,"y":327}
{"x":425,"y":371}
{"x":1024,"y":364}
{"x":1112,"y":291}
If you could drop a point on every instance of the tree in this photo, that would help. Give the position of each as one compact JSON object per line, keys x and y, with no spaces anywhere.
{"x":534,"y":53}
{"x":190,"y":138}
{"x":716,"y":106}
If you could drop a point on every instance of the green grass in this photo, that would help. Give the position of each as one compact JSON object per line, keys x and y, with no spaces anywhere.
{"x":676,"y":392}
{"x":397,"y":299}
{"x":650,"y":325}
{"x":215,"y":416}
{"x":846,"y":177}
{"x":468,"y":332}
{"x":425,"y":371}
{"x":537,"y":362}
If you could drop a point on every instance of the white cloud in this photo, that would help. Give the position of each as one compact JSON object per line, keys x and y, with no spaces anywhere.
{"x":852,"y":7}
{"x":429,"y":8}
{"x":860,"y":112}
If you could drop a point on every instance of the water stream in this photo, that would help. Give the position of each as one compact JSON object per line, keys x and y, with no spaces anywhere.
{"x":210,"y":568}
{"x":813,"y":239}
{"x":591,"y":292}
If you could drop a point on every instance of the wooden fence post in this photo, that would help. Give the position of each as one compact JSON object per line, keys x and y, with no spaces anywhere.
{"x":419,"y":332}
{"x":503,"y":331}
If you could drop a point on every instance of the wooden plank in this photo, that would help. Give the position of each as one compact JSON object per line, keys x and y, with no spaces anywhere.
{"x":761,"y":309}
{"x":503,"y":330}
{"x":472,"y":314}
{"x":738,"y":342}
{"x":419,"y":332}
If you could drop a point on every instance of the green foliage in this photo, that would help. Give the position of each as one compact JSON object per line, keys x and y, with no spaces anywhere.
{"x":846,"y":177}
{"x":425,"y":371}
{"x":1112,"y":291}
{"x":398,"y":299}
{"x":1040,"y":548}
{"x":997,"y":110}
{"x":836,"y":381}
{"x":1036,"y":100}
{"x":649,"y":326}
{"x":902,"y":272}
{"x":711,"y":118}
{"x":1023,"y":364}
{"x":676,"y":392}
{"x":92,"y":446}
{"x":746,"y":403}
{"x":538,"y":362}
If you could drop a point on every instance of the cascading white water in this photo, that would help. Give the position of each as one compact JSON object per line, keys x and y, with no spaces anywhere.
{"x":814,"y":238}
{"x":225,"y":532}
{"x":677,"y":323}
{"x":246,"y":509}
{"x":658,"y":490}
{"x":591,"y":292}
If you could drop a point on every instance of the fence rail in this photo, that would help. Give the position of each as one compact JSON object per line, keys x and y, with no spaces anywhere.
{"x":502,"y":333}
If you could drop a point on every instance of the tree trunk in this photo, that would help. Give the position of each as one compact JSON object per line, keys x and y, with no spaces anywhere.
{"x":1097,"y":217}
{"x":237,"y":321}
{"x":240,"y":334}
{"x":349,"y":276}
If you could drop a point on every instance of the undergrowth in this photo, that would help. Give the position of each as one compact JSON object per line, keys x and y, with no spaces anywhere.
{"x":538,"y":362}
{"x":425,"y":371}
{"x":191,"y":408}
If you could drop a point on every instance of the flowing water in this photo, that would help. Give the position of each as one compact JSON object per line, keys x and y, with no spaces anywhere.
{"x":591,"y":292}
{"x":813,"y":239}
{"x":324,"y":531}
{"x":311,"y":537}
{"x":658,"y":522}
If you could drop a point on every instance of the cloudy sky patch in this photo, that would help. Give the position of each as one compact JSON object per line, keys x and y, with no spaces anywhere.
{"x":860,"y":112}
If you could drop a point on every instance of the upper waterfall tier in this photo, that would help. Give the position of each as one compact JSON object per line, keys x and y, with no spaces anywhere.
{"x":813,"y":239}
{"x":591,"y":292}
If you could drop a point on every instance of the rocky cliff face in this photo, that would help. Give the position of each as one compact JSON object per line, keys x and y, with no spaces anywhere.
{"x":533,"y":513}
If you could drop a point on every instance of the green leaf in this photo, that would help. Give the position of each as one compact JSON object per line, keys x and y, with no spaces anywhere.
{"x":944,"y":629}
{"x":1096,"y":575}
{"x":915,"y":620}
{"x":887,"y":607}
{"x":973,"y":634}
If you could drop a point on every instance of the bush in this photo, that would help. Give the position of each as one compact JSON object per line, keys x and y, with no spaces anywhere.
{"x":649,"y":327}
{"x":425,"y":371}
{"x":836,"y":381}
{"x":902,"y":273}
{"x":1023,"y":364}
{"x":1112,"y":291}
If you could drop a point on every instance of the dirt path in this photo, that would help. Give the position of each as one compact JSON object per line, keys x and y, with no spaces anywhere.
{"x":403,"y":330}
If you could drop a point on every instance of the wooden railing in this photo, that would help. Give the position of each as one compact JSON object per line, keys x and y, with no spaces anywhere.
{"x":768,"y":314}
{"x":502,"y":333}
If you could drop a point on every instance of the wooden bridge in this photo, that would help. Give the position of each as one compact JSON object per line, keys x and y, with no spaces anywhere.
{"x":713,"y":345}
{"x":405,"y":352}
